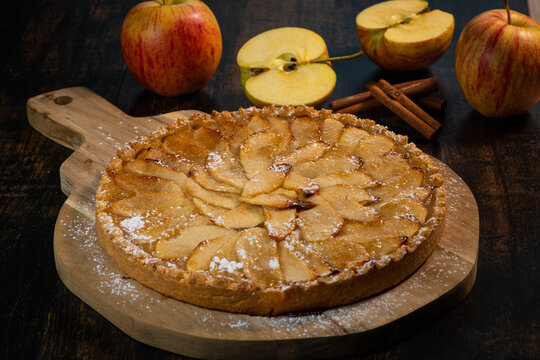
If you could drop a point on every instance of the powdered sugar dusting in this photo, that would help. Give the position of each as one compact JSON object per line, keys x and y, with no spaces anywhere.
{"x":273,"y":263}
{"x":225,"y":264}
{"x":102,"y":273}
{"x":132,"y":224}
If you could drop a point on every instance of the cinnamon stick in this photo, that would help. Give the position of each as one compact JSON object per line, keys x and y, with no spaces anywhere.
{"x":408,"y":103}
{"x":430,"y":102}
{"x":410,"y":88}
{"x":401,"y":111}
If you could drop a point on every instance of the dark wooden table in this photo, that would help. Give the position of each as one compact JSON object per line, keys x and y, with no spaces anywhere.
{"x":47,"y":45}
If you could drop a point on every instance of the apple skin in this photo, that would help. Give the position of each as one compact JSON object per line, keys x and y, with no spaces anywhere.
{"x":498,"y":65}
{"x":403,"y":57}
{"x":172,"y":47}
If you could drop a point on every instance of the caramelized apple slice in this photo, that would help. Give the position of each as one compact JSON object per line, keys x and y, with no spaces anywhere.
{"x":402,"y":185}
{"x":142,"y":183}
{"x":304,"y":131}
{"x":259,"y":256}
{"x":154,"y":168}
{"x":267,"y":180}
{"x":225,"y":262}
{"x":350,"y":209}
{"x":320,"y":222}
{"x":341,"y":253}
{"x":257,"y":123}
{"x":373,"y":147}
{"x":228,"y":252}
{"x":282,"y":127}
{"x":226,"y":200}
{"x":289,"y":193}
{"x":242,"y":216}
{"x":183,"y":244}
{"x":331,"y":130}
{"x":379,"y":247}
{"x":235,"y":134}
{"x":297,"y":182}
{"x":404,"y":206}
{"x":308,"y":152}
{"x":202,"y":255}
{"x":201,"y":176}
{"x":146,"y":202}
{"x":348,"y":191}
{"x":165,"y":222}
{"x":170,"y":160}
{"x":421,"y":193}
{"x":224,"y":166}
{"x":397,"y":174}
{"x":327,"y":165}
{"x":206,"y":138}
{"x":389,"y":227}
{"x":314,"y":260}
{"x":293,"y":265}
{"x":350,"y":139}
{"x":258,"y":152}
{"x":279,"y":222}
{"x":185,"y":148}
{"x":355,"y":177}
{"x":278,"y":199}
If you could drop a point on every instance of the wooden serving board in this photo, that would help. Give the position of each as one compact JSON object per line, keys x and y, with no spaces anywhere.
{"x":95,"y":129}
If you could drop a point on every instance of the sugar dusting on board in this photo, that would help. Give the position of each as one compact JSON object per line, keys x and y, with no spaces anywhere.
{"x":109,"y":280}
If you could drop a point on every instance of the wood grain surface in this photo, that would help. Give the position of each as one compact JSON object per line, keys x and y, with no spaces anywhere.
{"x":55,"y":44}
{"x":69,"y":115}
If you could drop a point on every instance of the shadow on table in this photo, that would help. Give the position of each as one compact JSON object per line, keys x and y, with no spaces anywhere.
{"x":479,"y":128}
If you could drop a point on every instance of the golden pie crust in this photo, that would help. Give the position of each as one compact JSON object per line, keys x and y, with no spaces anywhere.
{"x":269,"y":211}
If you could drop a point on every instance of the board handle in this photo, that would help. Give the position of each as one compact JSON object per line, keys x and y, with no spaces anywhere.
{"x":77,"y":115}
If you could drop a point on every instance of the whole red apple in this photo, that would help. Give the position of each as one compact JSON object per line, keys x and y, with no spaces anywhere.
{"x":498,"y":64}
{"x":172,"y":47}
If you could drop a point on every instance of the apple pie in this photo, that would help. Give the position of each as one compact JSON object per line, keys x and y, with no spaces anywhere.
{"x":269,"y":211}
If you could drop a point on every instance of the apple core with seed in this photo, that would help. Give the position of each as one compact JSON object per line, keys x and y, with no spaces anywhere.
{"x":277,"y":67}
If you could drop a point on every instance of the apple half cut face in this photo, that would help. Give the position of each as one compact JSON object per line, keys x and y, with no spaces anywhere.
{"x":276,"y":68}
{"x":404,"y":35}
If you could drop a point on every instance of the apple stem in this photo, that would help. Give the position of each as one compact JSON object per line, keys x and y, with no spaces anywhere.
{"x":337,"y":58}
{"x":505,"y":2}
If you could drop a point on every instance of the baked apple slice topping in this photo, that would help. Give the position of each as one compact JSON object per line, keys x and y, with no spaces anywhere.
{"x":258,"y":152}
{"x":242,"y":216}
{"x":279,"y":222}
{"x":201,"y":257}
{"x":259,"y":256}
{"x":293,"y":264}
{"x":225,"y":167}
{"x":267,"y":180}
{"x":269,"y":199}
{"x":331,"y":130}
{"x":320,"y":222}
{"x":184,"y":243}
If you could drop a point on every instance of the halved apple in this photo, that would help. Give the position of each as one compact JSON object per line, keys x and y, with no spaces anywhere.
{"x":275,"y":68}
{"x":404,"y":35}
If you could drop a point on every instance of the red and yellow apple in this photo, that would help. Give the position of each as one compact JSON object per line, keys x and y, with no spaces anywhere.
{"x":172,"y":47}
{"x":404,"y":35}
{"x":498,"y":63}
{"x":277,"y":67}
